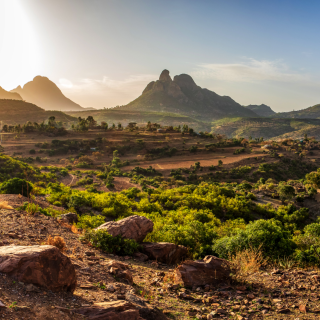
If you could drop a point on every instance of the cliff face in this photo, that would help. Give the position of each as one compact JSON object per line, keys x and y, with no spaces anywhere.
{"x":183,"y":95}
{"x":45,"y":94}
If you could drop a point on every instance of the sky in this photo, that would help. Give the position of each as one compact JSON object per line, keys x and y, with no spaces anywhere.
{"x":103,"y":53}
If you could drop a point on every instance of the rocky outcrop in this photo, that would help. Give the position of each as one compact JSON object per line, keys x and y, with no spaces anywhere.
{"x":140,"y":256}
{"x":113,"y":310}
{"x":209,"y":271}
{"x":165,"y":76}
{"x":121,"y":270}
{"x":45,"y":266}
{"x":183,"y":96}
{"x":133,"y":227}
{"x":165,"y":252}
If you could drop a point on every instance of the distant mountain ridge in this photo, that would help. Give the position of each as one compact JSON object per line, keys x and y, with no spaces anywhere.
{"x":9,"y":95}
{"x":182,"y":95}
{"x":45,"y":94}
{"x":261,"y":110}
{"x":308,"y":113}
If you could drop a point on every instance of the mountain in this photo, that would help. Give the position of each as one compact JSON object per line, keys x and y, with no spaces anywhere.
{"x":9,"y":95}
{"x":181,"y":95}
{"x":261,"y":110}
{"x":309,"y":113}
{"x":18,"y":111}
{"x":45,"y":94}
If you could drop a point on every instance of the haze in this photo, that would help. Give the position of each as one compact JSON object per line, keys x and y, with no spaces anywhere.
{"x":102,"y":53}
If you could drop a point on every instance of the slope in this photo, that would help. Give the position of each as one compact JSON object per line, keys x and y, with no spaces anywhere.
{"x":19,"y":112}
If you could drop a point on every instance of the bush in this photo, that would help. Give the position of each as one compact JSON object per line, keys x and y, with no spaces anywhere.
{"x":269,"y":234}
{"x":101,"y":239}
{"x":16,"y":186}
{"x":90,"y":222}
{"x":32,"y":151}
{"x":57,"y":242}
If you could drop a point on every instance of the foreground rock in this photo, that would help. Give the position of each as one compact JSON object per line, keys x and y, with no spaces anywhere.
{"x":133,"y":227}
{"x":45,"y":266}
{"x":209,"y":271}
{"x":165,"y":252}
{"x":121,"y":270}
{"x":114,"y":310}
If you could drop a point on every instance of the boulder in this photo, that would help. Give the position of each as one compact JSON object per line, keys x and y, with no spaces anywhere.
{"x":134,"y":227}
{"x":113,"y":310}
{"x":121,"y":270}
{"x":140,"y":256}
{"x":45,"y":266}
{"x":211,"y":270}
{"x":69,"y":217}
{"x":165,"y":252}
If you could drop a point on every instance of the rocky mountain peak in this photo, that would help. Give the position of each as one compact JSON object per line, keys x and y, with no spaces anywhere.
{"x":165,"y":75}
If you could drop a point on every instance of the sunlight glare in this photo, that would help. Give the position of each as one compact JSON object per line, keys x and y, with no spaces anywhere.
{"x":19,"y":52}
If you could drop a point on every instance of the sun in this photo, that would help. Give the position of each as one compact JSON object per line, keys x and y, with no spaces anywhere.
{"x":19,"y":51}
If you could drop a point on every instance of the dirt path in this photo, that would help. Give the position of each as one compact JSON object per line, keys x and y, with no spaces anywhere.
{"x":187,"y":161}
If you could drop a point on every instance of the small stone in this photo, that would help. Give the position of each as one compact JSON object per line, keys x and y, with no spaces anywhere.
{"x":303,"y":308}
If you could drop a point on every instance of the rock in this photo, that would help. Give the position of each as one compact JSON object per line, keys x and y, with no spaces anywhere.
{"x":121,"y":270}
{"x":210,"y":270}
{"x":146,"y":311}
{"x":2,"y":305}
{"x":113,"y":310}
{"x":165,"y":252}
{"x":70,"y":217}
{"x":303,"y":308}
{"x":134,"y":227}
{"x":140,"y":256}
{"x":165,"y":75}
{"x":32,"y":288}
{"x":45,"y":266}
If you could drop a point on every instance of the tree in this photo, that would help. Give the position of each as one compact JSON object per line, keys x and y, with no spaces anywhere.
{"x":286,"y":192}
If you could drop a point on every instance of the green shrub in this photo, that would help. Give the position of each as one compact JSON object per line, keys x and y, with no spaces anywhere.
{"x":269,"y":234}
{"x":16,"y":186}
{"x":101,"y":239}
{"x":90,"y":222}
{"x":32,"y":151}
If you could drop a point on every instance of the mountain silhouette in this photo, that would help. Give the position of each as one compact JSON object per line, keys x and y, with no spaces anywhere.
{"x":261,"y":110}
{"x":182,"y":95}
{"x":45,"y":94}
{"x":9,"y":95}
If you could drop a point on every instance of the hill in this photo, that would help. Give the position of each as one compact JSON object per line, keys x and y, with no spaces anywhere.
{"x":261,"y":110}
{"x":268,"y":128}
{"x":182,"y":96}
{"x":309,"y":113}
{"x":19,"y":112}
{"x":45,"y":93}
{"x":9,"y":95}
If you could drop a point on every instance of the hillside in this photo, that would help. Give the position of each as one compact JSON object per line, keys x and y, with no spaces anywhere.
{"x":44,"y":93}
{"x":261,"y":110}
{"x":309,"y":113}
{"x":19,"y":112}
{"x":181,"y":95}
{"x":9,"y":95}
{"x":271,"y":128}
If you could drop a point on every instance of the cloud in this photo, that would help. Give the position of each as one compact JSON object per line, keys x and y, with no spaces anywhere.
{"x":105,"y":92}
{"x":251,"y":71}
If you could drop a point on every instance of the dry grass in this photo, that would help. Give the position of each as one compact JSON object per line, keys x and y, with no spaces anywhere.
{"x":246,"y":262}
{"x":57,"y":242}
{"x":4,"y":205}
